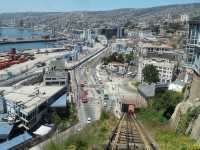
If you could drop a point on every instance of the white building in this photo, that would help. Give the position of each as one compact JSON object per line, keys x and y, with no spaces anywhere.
{"x":78,"y":34}
{"x":164,"y":66}
{"x":184,"y":18}
{"x":177,"y":86}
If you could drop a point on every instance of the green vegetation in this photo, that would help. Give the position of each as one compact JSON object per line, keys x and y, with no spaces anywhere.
{"x":116,"y":57}
{"x":172,"y":27}
{"x":165,"y":102}
{"x":90,"y":137}
{"x":63,"y":122}
{"x":151,"y":74}
{"x":177,"y":42}
{"x":160,"y":107}
{"x":169,"y":140}
{"x":155,"y":119}
{"x":186,"y":118}
{"x":166,"y":138}
{"x":197,"y":18}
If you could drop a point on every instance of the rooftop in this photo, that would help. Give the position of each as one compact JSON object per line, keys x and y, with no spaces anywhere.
{"x":5,"y":129}
{"x":62,"y":74}
{"x":178,"y":82}
{"x":158,"y":60}
{"x":147,"y":90}
{"x":15,"y":141}
{"x":29,"y":96}
{"x":151,"y":45}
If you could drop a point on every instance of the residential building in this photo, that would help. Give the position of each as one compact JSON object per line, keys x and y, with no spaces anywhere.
{"x":112,"y":32}
{"x":184,"y":18}
{"x":120,"y":32}
{"x":148,"y":48}
{"x":164,"y":66}
{"x":152,"y":50}
{"x":192,"y":58}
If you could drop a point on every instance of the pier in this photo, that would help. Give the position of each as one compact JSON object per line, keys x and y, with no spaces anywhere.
{"x":15,"y":41}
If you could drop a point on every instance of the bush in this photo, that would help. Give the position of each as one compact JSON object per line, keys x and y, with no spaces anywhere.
{"x":166,"y":102}
{"x":104,"y":116}
{"x":186,"y":118}
{"x":53,"y":146}
{"x":182,"y":124}
{"x":151,"y":115}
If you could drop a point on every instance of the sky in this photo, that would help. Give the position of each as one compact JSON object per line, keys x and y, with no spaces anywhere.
{"x":74,"y":5}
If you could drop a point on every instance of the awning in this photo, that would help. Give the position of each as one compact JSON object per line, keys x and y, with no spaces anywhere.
{"x":42,"y":130}
{"x":61,"y":101}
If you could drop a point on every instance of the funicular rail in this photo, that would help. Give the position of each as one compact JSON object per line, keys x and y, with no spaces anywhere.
{"x":129,"y":135}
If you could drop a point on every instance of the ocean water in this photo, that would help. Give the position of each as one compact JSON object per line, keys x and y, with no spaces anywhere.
{"x":12,"y":32}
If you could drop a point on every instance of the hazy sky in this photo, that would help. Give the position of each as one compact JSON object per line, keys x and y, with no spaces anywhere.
{"x":71,"y":5}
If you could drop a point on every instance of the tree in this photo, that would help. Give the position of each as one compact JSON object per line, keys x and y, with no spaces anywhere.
{"x":129,"y":57}
{"x":151,"y":74}
{"x":120,"y":58}
{"x":56,"y":119}
{"x":166,"y":102}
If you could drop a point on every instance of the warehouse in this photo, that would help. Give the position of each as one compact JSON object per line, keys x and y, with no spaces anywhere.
{"x":28,"y":104}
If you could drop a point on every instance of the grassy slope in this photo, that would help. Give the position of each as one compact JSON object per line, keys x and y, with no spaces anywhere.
{"x":166,"y":138}
{"x":93,"y":135}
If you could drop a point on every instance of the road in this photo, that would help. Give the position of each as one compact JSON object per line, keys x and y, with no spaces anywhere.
{"x":92,"y":109}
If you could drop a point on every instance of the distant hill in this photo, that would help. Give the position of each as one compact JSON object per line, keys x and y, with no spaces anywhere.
{"x":118,"y":16}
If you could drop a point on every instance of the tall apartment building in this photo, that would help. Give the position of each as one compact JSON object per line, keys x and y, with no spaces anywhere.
{"x":193,"y":47}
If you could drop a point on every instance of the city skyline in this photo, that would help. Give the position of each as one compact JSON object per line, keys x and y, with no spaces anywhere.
{"x":81,"y":5}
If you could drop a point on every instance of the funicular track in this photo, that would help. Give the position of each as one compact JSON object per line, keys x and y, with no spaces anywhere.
{"x":129,"y":135}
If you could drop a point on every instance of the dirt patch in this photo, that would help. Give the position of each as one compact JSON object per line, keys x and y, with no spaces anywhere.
{"x":195,"y":88}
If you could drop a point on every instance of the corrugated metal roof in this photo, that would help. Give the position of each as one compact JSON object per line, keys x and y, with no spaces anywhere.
{"x":15,"y":141}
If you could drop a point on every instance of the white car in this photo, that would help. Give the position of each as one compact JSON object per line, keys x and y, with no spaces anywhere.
{"x":89,"y":120}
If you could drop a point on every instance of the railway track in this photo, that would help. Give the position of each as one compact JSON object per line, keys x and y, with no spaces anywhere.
{"x":129,"y":135}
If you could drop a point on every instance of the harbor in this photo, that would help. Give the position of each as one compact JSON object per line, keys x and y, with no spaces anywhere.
{"x":24,"y":39}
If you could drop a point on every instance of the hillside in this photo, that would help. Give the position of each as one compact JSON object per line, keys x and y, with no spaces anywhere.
{"x":112,"y":16}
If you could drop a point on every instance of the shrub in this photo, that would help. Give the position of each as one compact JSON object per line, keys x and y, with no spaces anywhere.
{"x":104,"y":116}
